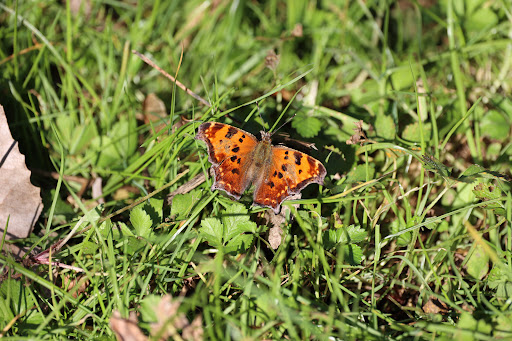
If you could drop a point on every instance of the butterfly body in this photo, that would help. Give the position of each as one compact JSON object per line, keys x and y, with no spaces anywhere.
{"x":239,"y":159}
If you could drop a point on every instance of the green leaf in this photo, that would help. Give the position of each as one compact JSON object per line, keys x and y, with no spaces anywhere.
{"x":306,"y":125}
{"x":499,"y":279}
{"x":236,"y":221}
{"x":212,"y":231}
{"x":478,"y":263}
{"x":412,"y":132}
{"x":478,"y":17}
{"x":473,"y":172}
{"x":88,"y":247}
{"x":467,"y":325}
{"x":155,"y":210}
{"x":233,"y":234}
{"x":495,"y":125}
{"x":405,"y":238}
{"x":358,"y":174}
{"x":385,"y":127}
{"x":487,"y":192}
{"x":353,"y":254}
{"x":350,"y":234}
{"x":148,"y":309}
{"x":239,"y":243}
{"x":182,"y":204}
{"x":141,"y":220}
{"x":119,"y":145}
{"x":20,"y":301}
{"x":356,"y":234}
{"x":134,"y":244}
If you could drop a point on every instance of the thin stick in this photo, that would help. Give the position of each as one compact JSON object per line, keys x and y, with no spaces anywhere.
{"x":178,"y":83}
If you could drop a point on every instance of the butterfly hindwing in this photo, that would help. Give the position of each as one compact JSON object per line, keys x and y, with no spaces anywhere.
{"x":289,"y":173}
{"x":229,"y":151}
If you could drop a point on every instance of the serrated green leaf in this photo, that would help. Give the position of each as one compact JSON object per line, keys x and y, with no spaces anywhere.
{"x":231,"y":231}
{"x":356,"y":234}
{"x":141,"y":221}
{"x":487,"y":192}
{"x":155,"y":210}
{"x":330,"y":238}
{"x":236,"y":221}
{"x":348,"y":235}
{"x":212,"y":231}
{"x":234,"y":233}
{"x":306,"y":125}
{"x":353,"y":254}
{"x":239,"y":243}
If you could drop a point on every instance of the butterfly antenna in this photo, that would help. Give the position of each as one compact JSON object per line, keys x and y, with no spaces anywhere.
{"x":285,"y":123}
{"x":261,"y":118}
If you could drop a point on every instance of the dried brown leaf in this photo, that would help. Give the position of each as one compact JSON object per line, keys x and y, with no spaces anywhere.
{"x":20,"y":201}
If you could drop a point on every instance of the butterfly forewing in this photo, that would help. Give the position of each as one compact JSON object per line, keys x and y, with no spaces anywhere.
{"x":229,"y":151}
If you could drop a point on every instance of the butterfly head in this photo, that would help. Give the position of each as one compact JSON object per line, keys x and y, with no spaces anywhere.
{"x":266,"y":136}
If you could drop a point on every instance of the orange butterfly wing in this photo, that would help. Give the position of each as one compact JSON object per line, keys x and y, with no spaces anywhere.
{"x":230,"y":152}
{"x":288,"y":174}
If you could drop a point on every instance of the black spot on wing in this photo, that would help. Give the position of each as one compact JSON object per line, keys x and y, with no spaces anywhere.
{"x":236,"y":149}
{"x":235,"y":171}
{"x":280,"y":175}
{"x":298,"y":157}
{"x":271,"y":184}
{"x":283,"y":167}
{"x":233,"y":158}
{"x":231,"y":131}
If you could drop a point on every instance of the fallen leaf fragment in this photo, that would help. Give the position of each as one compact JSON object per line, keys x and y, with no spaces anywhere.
{"x":126,"y":329}
{"x":20,"y":201}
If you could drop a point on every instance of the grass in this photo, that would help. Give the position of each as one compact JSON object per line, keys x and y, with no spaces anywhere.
{"x":409,"y":238}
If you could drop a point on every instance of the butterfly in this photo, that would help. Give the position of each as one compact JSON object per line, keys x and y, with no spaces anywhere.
{"x":239,"y":159}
